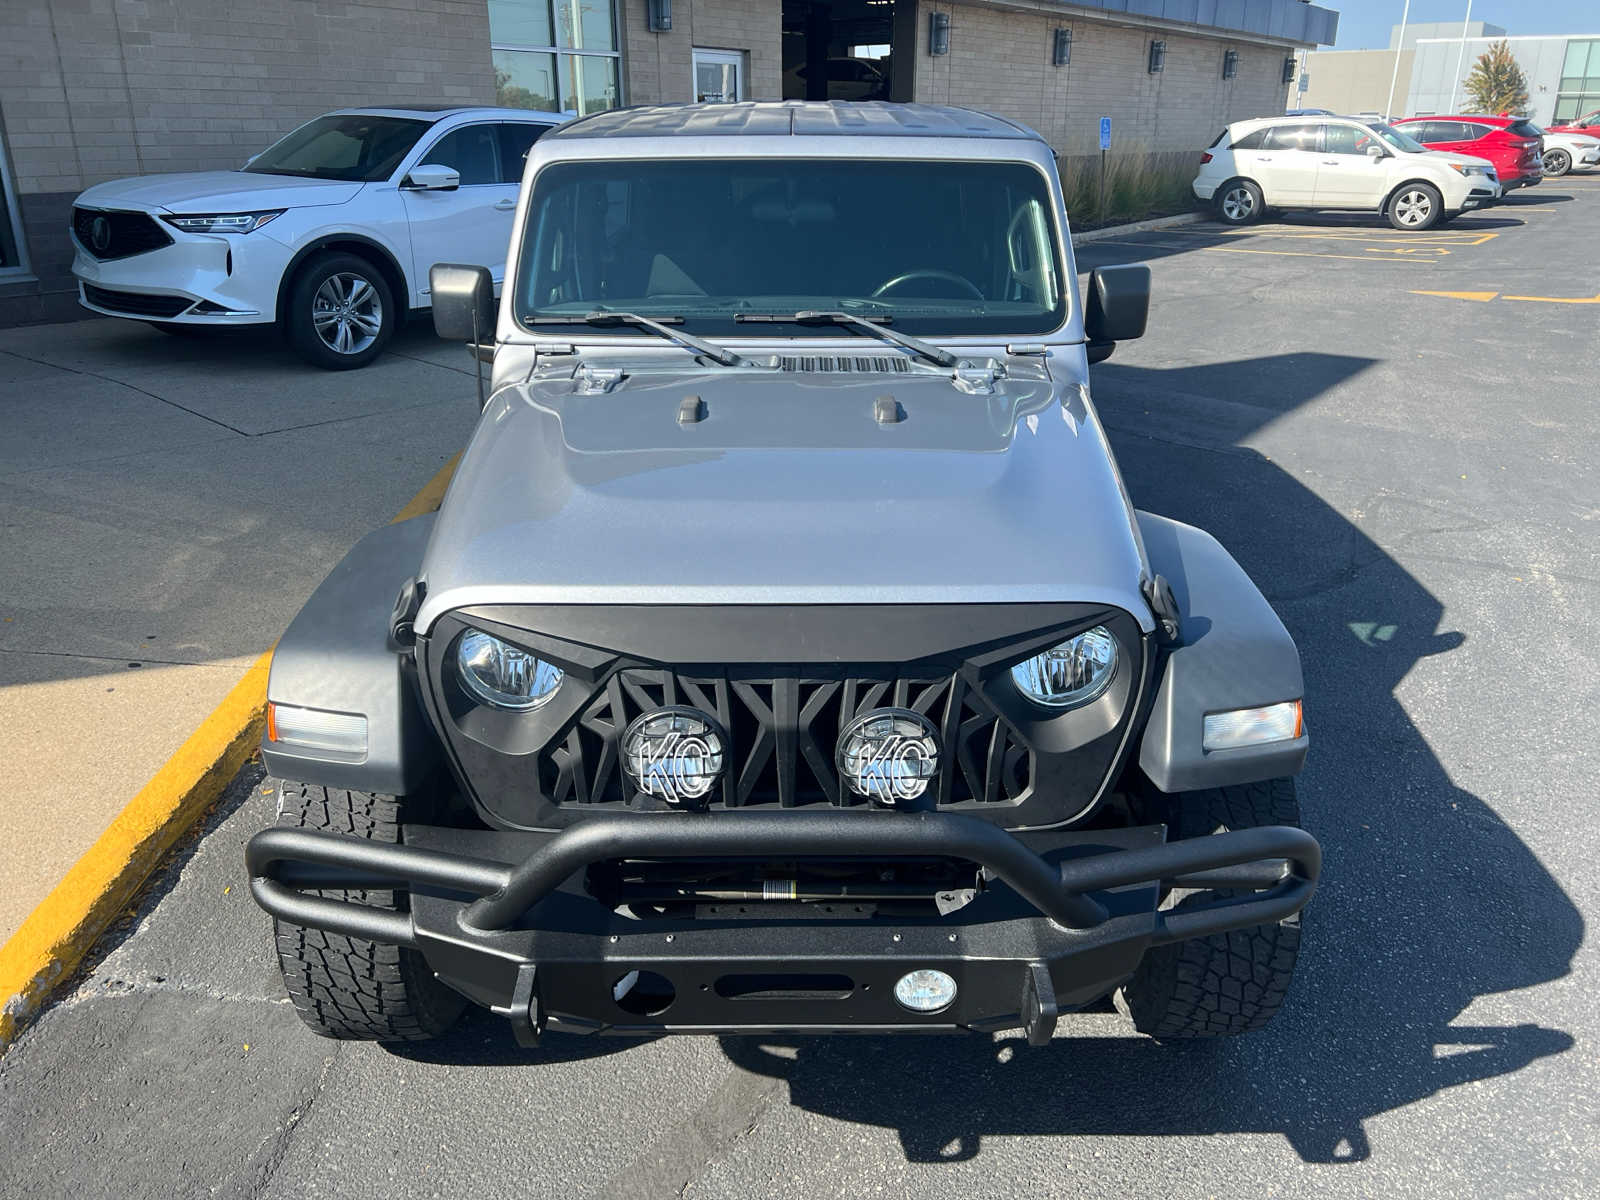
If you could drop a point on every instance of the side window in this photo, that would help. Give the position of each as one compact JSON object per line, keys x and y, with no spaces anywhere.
{"x":1466,"y":131}
{"x":1250,"y":141}
{"x":1345,"y":139}
{"x":1422,"y":131}
{"x":516,"y":139}
{"x":1293,"y":137}
{"x":471,"y":151}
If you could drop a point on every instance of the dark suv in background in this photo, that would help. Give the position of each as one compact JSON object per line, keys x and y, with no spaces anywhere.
{"x":1512,"y":144}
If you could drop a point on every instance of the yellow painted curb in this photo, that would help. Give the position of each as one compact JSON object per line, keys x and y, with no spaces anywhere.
{"x":56,"y":935}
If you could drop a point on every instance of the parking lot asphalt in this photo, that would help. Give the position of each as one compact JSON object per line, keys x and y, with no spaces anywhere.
{"x":1410,"y":479}
{"x":166,"y":505}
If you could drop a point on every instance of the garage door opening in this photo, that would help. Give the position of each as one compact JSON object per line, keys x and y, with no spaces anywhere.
{"x":848,"y":49}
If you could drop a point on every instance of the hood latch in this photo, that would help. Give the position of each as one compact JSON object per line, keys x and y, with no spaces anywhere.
{"x":977,"y":378}
{"x":592,"y":381}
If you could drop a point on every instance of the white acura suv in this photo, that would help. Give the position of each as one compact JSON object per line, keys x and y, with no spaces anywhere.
{"x":1339,"y":163}
{"x":329,"y":233}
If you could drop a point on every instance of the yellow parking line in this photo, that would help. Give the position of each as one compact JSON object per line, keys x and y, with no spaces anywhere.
{"x":50,"y":944}
{"x":1304,"y":254}
{"x":1450,"y":238}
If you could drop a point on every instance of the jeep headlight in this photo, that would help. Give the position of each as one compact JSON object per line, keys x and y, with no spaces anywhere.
{"x":498,"y":673}
{"x":1073,"y":673}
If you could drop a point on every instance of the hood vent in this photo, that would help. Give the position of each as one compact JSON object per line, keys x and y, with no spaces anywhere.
{"x":845,"y":364}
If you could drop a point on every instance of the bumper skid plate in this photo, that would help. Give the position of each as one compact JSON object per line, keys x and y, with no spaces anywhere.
{"x":507,"y":919}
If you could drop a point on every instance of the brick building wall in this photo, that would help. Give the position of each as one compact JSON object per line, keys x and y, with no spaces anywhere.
{"x":1000,"y":59}
{"x":658,"y":65}
{"x":99,"y":89}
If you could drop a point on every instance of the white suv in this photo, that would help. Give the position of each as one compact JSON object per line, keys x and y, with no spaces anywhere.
{"x":1340,"y":163}
{"x":329,"y":232}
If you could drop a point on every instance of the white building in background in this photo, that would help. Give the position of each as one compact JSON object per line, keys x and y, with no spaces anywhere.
{"x":1563,"y":74}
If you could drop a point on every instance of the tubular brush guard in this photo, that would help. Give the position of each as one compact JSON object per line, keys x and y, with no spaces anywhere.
{"x":505,"y":918}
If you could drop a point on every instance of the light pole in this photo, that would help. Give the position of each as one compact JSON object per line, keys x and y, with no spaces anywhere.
{"x":1405,"y":15}
{"x":1461,"y":56}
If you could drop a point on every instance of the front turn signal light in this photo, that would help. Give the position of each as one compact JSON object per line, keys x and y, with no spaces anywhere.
{"x":1253,"y":726}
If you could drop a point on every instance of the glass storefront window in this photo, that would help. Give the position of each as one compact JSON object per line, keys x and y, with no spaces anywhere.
{"x":12,"y":259}
{"x":555,"y":55}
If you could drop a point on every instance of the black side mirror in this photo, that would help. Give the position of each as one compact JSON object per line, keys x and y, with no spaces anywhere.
{"x":463,"y":308}
{"x":1116,"y":308}
{"x":463,"y":301}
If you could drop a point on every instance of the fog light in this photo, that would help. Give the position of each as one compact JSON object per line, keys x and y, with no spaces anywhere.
{"x":673,"y":754}
{"x":333,"y":735}
{"x":1253,"y":726}
{"x":889,"y":755}
{"x":926,"y":991}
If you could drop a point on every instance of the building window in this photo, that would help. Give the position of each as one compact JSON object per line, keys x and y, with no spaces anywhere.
{"x":555,"y":55}
{"x":1580,"y":81}
{"x":13,"y":259}
{"x":719,"y":76}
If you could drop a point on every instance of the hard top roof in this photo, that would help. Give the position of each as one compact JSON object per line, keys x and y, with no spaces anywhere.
{"x":799,"y":118}
{"x":437,"y":112}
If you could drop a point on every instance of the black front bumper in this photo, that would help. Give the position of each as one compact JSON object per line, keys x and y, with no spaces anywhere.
{"x":505,"y":918}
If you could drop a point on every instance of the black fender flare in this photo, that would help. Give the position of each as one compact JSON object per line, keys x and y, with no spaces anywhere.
{"x":337,"y":656}
{"x":1232,"y":652}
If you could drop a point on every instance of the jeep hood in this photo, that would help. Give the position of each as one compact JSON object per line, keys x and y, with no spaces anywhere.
{"x":790,"y":488}
{"x":217,"y":192}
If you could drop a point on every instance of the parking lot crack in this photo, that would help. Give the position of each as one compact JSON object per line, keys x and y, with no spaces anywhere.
{"x":276,"y":1146}
{"x":132,"y":387}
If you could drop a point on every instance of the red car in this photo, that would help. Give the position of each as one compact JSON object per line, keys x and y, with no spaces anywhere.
{"x":1512,"y":144}
{"x":1588,"y":125}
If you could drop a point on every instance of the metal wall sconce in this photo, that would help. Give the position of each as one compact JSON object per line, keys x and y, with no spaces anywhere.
{"x":1061,"y":55}
{"x":1289,"y":69}
{"x":1158,"y":57}
{"x":658,"y":15}
{"x":938,"y":33}
{"x":1230,"y":63}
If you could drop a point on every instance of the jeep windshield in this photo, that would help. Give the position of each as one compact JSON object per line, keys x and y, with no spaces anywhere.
{"x":351,"y":146}
{"x":934,"y":247}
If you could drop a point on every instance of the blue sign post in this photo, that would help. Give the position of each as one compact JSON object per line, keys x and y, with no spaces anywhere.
{"x":1105,"y":144}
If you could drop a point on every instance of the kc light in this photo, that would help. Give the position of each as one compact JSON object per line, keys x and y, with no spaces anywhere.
{"x":889,"y":755}
{"x":1253,"y":726}
{"x":335,"y":735}
{"x":1073,"y":673}
{"x":925,"y":991}
{"x":498,"y":673}
{"x":222,"y":222}
{"x":673,"y":754}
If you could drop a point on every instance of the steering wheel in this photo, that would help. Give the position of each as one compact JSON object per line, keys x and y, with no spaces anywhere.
{"x":961,"y":281}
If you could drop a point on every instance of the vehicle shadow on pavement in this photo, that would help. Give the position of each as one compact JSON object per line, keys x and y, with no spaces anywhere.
{"x":1428,"y":899}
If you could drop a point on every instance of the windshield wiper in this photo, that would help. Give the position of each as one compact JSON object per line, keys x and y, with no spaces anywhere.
{"x":659,"y":325}
{"x":937,"y":355}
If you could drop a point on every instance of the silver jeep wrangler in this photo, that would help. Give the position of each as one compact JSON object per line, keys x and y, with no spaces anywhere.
{"x":786,"y":655}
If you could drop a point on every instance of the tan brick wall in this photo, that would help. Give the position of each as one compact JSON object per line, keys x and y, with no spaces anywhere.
{"x":658,"y":67}
{"x":96,"y":89}
{"x":999,"y":60}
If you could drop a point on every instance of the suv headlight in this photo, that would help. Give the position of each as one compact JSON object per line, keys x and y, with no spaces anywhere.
{"x":1073,"y":673}
{"x":222,"y":222}
{"x":498,"y":673}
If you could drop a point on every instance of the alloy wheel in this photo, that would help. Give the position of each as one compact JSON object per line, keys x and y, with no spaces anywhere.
{"x":1556,"y":162}
{"x":1238,"y":204}
{"x":347,"y":313}
{"x":1413,"y":207}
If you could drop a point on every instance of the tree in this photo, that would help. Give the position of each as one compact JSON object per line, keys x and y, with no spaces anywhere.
{"x":1497,"y":84}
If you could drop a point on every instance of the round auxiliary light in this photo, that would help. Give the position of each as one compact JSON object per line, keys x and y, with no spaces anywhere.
{"x":925,"y":991}
{"x":500,"y":674}
{"x":1073,"y":673}
{"x":888,"y":755}
{"x":674,"y":754}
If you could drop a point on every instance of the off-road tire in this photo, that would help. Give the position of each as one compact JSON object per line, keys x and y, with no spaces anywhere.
{"x":1228,"y":983}
{"x":299,"y":321}
{"x":349,"y":988}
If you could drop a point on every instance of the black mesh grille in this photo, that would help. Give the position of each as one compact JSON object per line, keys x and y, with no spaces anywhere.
{"x":139,"y":304}
{"x":783,"y":732}
{"x":107,"y":235}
